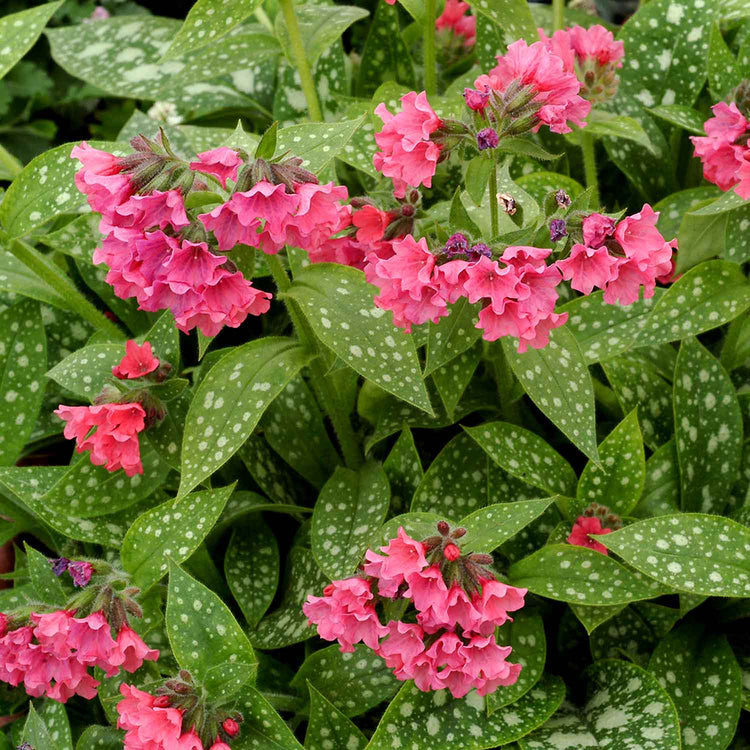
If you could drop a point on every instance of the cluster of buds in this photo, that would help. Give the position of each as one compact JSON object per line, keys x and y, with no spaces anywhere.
{"x":79,"y":570}
{"x":596,"y":519}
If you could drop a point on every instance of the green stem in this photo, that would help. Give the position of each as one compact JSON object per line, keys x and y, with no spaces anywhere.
{"x":300,"y":59}
{"x":56,"y":279}
{"x":430,"y":60}
{"x":493,"y":201}
{"x":558,"y":14}
{"x":327,"y":396}
{"x":12,"y":166}
{"x":589,"y":164}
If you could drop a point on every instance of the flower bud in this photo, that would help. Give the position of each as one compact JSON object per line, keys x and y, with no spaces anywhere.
{"x":59,"y":565}
{"x":487,"y":138}
{"x":562,"y":199}
{"x":443,"y":527}
{"x":162,"y":701}
{"x":451,"y":552}
{"x":476,"y":100}
{"x":557,"y":230}
{"x":231,"y":727}
{"x":458,"y":533}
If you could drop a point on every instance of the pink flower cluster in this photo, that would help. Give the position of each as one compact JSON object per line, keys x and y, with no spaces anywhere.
{"x":152,"y":724}
{"x":452,"y":643}
{"x":533,"y":73}
{"x":455,"y":17}
{"x":52,"y":655}
{"x":579,"y":534}
{"x":620,"y":257}
{"x":148,"y":260}
{"x":724,"y":151}
{"x":517,"y":290}
{"x":114,"y":443}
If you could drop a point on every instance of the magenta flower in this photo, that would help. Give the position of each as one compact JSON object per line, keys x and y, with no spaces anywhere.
{"x":80,"y":571}
{"x":101,"y":179}
{"x":319,"y":214}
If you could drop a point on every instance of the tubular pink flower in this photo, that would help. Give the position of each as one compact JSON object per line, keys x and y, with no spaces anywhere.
{"x":319,"y":214}
{"x":371,"y":223}
{"x":579,"y":534}
{"x":587,"y":268}
{"x":137,"y":362}
{"x":596,"y":229}
{"x":405,"y":642}
{"x":223,"y":163}
{"x":403,"y":555}
{"x":100,"y":179}
{"x":157,"y":210}
{"x":454,"y":17}
{"x":149,"y":727}
{"x":494,"y":603}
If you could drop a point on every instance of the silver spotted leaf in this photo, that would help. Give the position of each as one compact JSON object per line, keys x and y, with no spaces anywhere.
{"x":328,"y":727}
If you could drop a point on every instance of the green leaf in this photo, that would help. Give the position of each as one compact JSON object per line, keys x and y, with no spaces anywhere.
{"x":625,"y":707}
{"x":691,"y":552}
{"x":266,"y":147}
{"x":350,"y":508}
{"x":699,"y":672}
{"x":525,"y":147}
{"x":100,"y":738}
{"x":353,"y":682}
{"x":35,"y":731}
{"x":580,"y":575}
{"x":459,"y":219}
{"x":403,"y":467}
{"x":601,"y":124}
{"x":202,"y":631}
{"x":23,"y":361}
{"x":328,"y":727}
{"x":680,"y":115}
{"x":488,"y":528}
{"x":453,"y":379}
{"x":230,"y":400}
{"x":207,"y":22}
{"x":618,"y":481}
{"x":724,"y":72}
{"x":251,"y":567}
{"x":512,"y":16}
{"x":661,"y":493}
{"x":700,"y":237}
{"x":557,"y":380}
{"x":451,"y":336}
{"x":526,"y":456}
{"x":540,"y":184}
{"x":478,"y":173}
{"x":287,"y":624}
{"x":320,"y":26}
{"x":171,"y":531}
{"x":262,"y":727}
{"x":55,"y":718}
{"x":592,"y":617}
{"x":360,"y":334}
{"x":46,"y":584}
{"x":316,"y":143}
{"x":435,"y":719}
{"x":737,"y":242}
{"x":269,"y":471}
{"x":706,"y":297}
{"x":86,"y":371}
{"x":708,"y":429}
{"x":19,"y":31}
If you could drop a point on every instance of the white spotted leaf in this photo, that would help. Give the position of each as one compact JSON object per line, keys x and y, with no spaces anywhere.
{"x":87,"y":370}
{"x":526,"y":456}
{"x":403,"y":467}
{"x":353,"y":682}
{"x":207,"y":22}
{"x":681,"y":116}
{"x":351,"y":506}
{"x":23,"y":361}
{"x":512,"y":16}
{"x":701,"y":675}
{"x":451,"y":336}
{"x":452,"y":380}
{"x":231,"y":399}
{"x":557,"y":380}
{"x":100,"y":738}
{"x":625,"y":707}
{"x":35,"y":731}
{"x":591,"y":617}
{"x":692,"y":552}
{"x":328,"y":727}
{"x":581,"y":576}
{"x":262,"y":727}
{"x":708,"y":429}
{"x":171,"y":531}
{"x":54,"y":716}
{"x":202,"y":631}
{"x":436,"y":720}
{"x":19,"y":31}
{"x":47,"y":585}
{"x":337,"y":302}
{"x":618,"y":481}
{"x":251,"y":567}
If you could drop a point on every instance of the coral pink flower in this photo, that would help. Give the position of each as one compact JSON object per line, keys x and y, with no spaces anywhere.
{"x":114,"y":443}
{"x":587,"y":268}
{"x":157,"y":210}
{"x":494,"y":603}
{"x":412,"y":265}
{"x":403,"y":555}
{"x":319,"y":214}
{"x":405,"y":642}
{"x":486,"y":664}
{"x":371,"y":223}
{"x":407,"y":155}
{"x":458,"y":610}
{"x":579,"y":535}
{"x":137,"y":362}
{"x":346,"y":251}
{"x":542,"y":74}
{"x":454,"y":17}
{"x":131,"y":651}
{"x":149,"y":727}
{"x":192,"y":266}
{"x":223,"y":163}
{"x":596,"y":229}
{"x":429,"y":593}
{"x":101,"y":180}
{"x":257,"y":217}
{"x":486,"y":280}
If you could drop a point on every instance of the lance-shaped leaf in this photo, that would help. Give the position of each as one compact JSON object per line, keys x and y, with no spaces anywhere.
{"x":626,"y":707}
{"x":708,"y":429}
{"x":453,"y":379}
{"x":681,"y":116}
{"x":231,"y":399}
{"x":526,"y":456}
{"x":338,"y":303}
{"x":512,"y":16}
{"x":100,"y":738}
{"x":435,"y":719}
{"x":87,"y":370}
{"x":403,"y":467}
{"x":592,"y":617}
{"x":46,"y":584}
{"x":35,"y":731}
{"x":54,"y":716}
{"x":19,"y":31}
{"x":328,"y":727}
{"x":350,"y":508}
{"x":701,"y":675}
{"x":451,"y":336}
{"x":581,"y":576}
{"x":692,"y":552}
{"x":171,"y":531}
{"x":557,"y":380}
{"x":202,"y":631}
{"x":262,"y":727}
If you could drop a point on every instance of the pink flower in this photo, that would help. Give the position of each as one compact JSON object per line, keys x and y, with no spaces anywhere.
{"x":157,"y":210}
{"x":114,"y":443}
{"x":346,"y":251}
{"x":596,"y":229}
{"x":319,"y":214}
{"x":149,"y":727}
{"x":257,"y":217}
{"x":453,"y":17}
{"x":371,"y":223}
{"x":92,"y":638}
{"x":429,"y":593}
{"x":101,"y":179}
{"x":494,"y":603}
{"x":539,"y":73}
{"x":345,"y":613}
{"x":579,"y":535}
{"x":485,"y":663}
{"x":486,"y":280}
{"x":402,"y":646}
{"x":192,"y":267}
{"x":407,"y":154}
{"x":137,"y":362}
{"x":403,"y":555}
{"x":587,"y":268}
{"x":223,"y":163}
{"x":131,"y":651}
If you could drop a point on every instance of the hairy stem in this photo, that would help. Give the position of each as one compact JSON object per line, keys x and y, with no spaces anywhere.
{"x":589,"y":164}
{"x":430,"y":60}
{"x":493,"y":201}
{"x":558,"y":14}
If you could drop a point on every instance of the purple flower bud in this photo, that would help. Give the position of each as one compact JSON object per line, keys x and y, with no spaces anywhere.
{"x":487,"y":138}
{"x":480,"y":249}
{"x":59,"y":565}
{"x":457,"y":244}
{"x":80,"y":572}
{"x":562,"y":198}
{"x":557,"y":229}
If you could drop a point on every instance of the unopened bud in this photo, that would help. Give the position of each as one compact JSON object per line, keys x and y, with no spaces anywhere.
{"x":231,"y":727}
{"x":162,"y":701}
{"x":480,"y":558}
{"x":562,"y":199}
{"x":451,"y":552}
{"x":459,"y":532}
{"x":443,"y":527}
{"x":557,"y":230}
{"x":487,"y":138}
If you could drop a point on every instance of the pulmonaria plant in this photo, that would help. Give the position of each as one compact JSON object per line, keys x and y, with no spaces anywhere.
{"x":448,"y":603}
